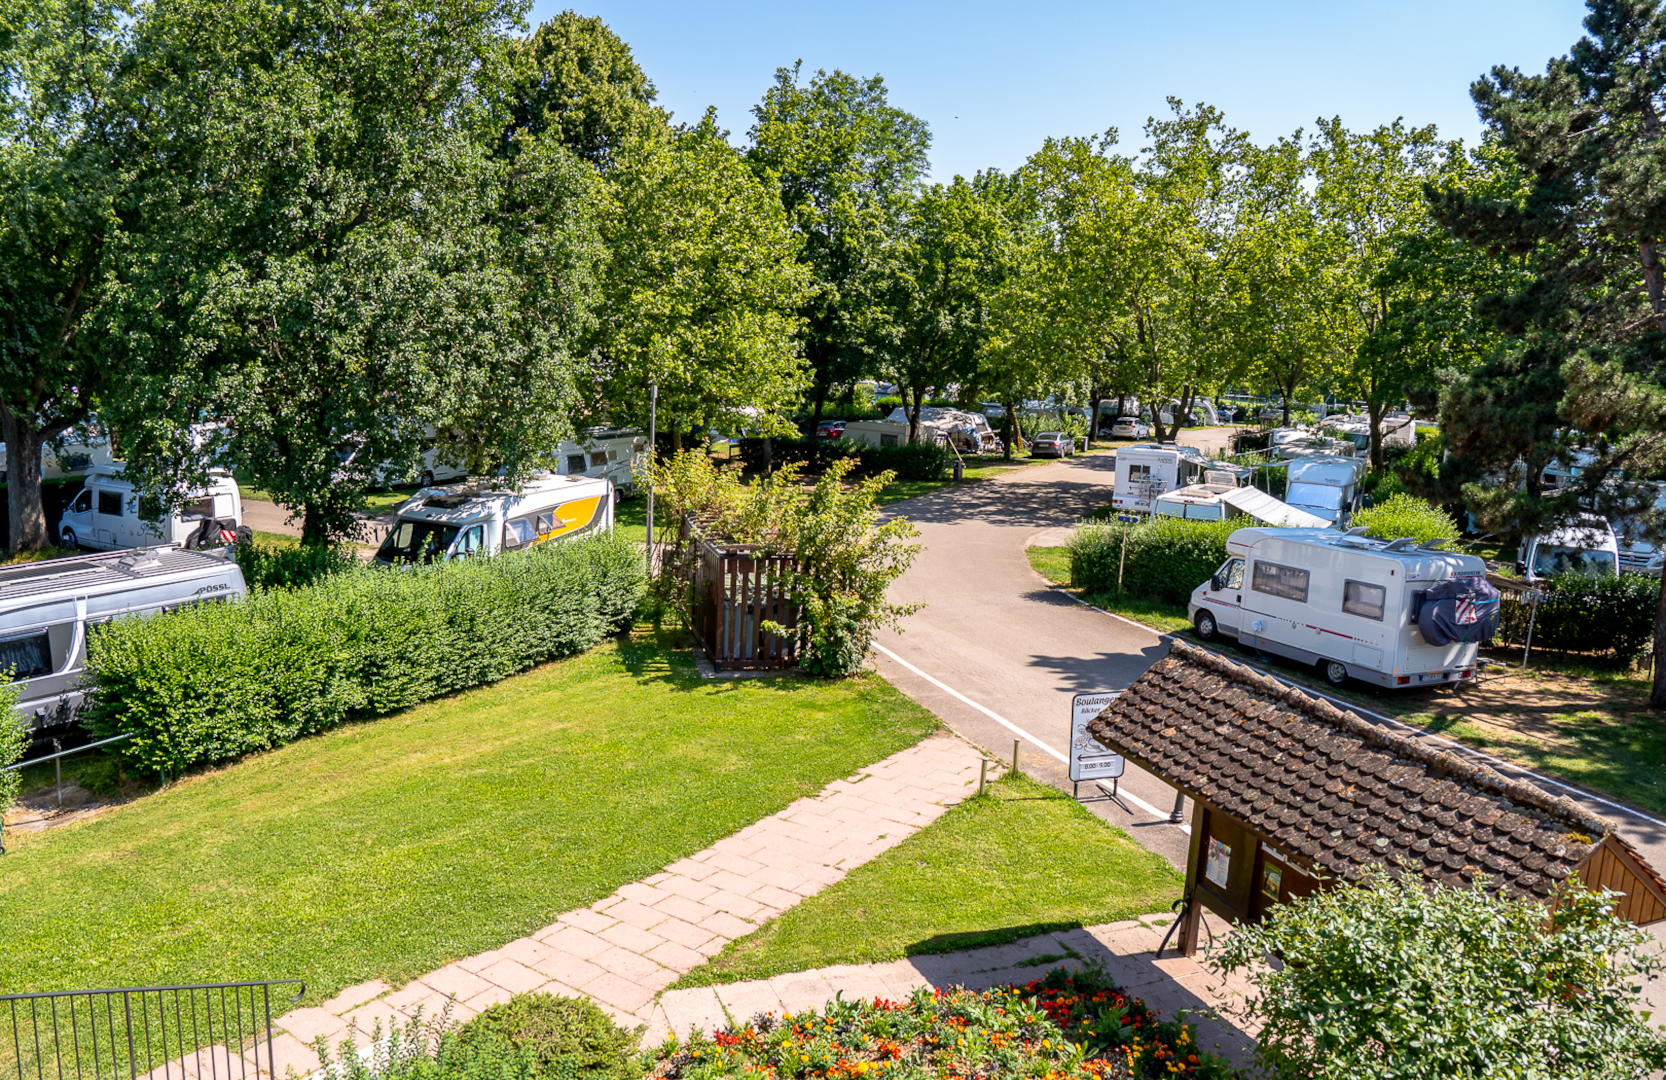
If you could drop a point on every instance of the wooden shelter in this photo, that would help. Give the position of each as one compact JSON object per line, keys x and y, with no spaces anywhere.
{"x":736,"y":588}
{"x":1291,"y":793}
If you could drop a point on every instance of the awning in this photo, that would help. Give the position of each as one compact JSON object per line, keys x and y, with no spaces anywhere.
{"x":1263,"y":507}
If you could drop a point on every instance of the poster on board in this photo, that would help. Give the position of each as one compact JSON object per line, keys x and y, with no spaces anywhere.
{"x":1089,"y":760}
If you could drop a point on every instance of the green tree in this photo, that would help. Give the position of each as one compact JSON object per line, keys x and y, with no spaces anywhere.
{"x":576,"y":82}
{"x":703,"y":290}
{"x":1583,"y":307}
{"x":1406,"y":980}
{"x":846,"y":164}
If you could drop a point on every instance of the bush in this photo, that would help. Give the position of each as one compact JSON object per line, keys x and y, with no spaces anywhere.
{"x":269,"y":566}
{"x":215,"y":681}
{"x":565,"y":1038}
{"x":1405,"y":979}
{"x":14,"y":740}
{"x":1161,"y":558}
{"x":1603,"y":614}
{"x":424,"y":1050}
{"x":915,"y":461}
{"x":1407,"y":515}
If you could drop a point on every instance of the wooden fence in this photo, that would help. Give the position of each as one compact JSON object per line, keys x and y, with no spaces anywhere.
{"x":734,"y":591}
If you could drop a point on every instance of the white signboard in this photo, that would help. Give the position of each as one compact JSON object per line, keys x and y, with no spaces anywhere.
{"x":1089,"y":760}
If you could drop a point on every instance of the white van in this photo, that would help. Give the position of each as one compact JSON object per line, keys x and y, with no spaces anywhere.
{"x":48,"y":607}
{"x":615,"y":454}
{"x":106,"y":514}
{"x":1586,"y":546}
{"x":472,"y":519}
{"x":1147,"y":470}
{"x":1347,"y":603}
{"x":1326,"y":487}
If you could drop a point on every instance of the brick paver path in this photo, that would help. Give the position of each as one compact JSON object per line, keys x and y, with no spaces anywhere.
{"x":624,"y":950}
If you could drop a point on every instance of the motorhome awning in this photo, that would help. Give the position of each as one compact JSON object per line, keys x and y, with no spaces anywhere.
{"x":1263,"y":507}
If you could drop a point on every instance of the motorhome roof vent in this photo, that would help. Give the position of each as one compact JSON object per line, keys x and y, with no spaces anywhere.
{"x":1357,"y":530}
{"x":1400,"y":543}
{"x":139,"y":560}
{"x":446,"y":502}
{"x":1433,"y":545}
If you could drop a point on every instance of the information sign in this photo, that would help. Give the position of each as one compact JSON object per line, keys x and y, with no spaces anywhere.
{"x":1089,"y":760}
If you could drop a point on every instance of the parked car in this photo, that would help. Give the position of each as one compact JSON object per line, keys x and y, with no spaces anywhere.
{"x":830,"y":429}
{"x":1052,"y":444}
{"x":1130,"y":427}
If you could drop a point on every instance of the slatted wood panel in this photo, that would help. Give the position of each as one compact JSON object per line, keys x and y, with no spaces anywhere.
{"x":1612,"y":867}
{"x":735,"y":591}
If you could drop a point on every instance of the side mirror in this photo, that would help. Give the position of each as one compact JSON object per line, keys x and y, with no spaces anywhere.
{"x":1215,"y":582}
{"x":1521,"y":568}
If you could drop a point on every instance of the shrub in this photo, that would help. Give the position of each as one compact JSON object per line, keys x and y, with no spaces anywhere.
{"x":424,"y":1050}
{"x":1161,"y":558}
{"x":215,"y":681}
{"x":565,"y":1038}
{"x":1407,"y":515}
{"x":269,"y":566}
{"x":1408,"y":980}
{"x":14,"y":740}
{"x":1603,"y":614}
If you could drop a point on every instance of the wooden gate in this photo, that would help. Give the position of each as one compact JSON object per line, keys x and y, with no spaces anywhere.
{"x":735,"y":591}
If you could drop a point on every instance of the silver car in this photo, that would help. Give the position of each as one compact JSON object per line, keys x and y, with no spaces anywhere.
{"x":1052,"y":444}
{"x":1130,"y":427}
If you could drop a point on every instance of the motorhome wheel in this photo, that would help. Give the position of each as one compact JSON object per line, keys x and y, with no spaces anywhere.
{"x":69,"y":539}
{"x":1336,"y":672}
{"x":1206,"y":628}
{"x":428,"y":478}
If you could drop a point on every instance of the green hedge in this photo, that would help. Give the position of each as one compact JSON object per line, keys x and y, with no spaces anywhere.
{"x":270,"y":566}
{"x":915,"y":461}
{"x":219,"y":680}
{"x":1607,"y":615}
{"x":1400,"y":514}
{"x":1166,"y":558}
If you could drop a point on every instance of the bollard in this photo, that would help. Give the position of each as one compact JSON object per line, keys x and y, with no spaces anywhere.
{"x":983,"y":774}
{"x":1178,"y":814}
{"x":1015,"y":755}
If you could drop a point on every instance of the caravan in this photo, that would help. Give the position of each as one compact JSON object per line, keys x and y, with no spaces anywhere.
{"x":48,"y":608}
{"x":1380,"y":611}
{"x":1146,"y":470}
{"x":109,"y":512}
{"x":440,"y":524}
{"x":618,"y":455}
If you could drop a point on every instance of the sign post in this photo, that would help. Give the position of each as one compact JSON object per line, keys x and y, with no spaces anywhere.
{"x":1089,"y":760}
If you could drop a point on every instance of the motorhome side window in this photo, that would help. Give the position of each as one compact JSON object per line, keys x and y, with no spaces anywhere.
{"x":1275,"y":580}
{"x":109,"y":502}
{"x":1139,"y":472}
{"x":575,"y":463}
{"x":887,"y":440}
{"x":518,"y":533}
{"x":26,"y":656}
{"x":1232,"y":574}
{"x":1363,"y":600}
{"x":598,"y":459}
{"x":83,"y":503}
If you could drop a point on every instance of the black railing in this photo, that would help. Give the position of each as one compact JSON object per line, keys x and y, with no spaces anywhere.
{"x":212,"y":1031}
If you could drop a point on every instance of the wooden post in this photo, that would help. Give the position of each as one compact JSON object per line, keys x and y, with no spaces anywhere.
{"x":1193,"y":914}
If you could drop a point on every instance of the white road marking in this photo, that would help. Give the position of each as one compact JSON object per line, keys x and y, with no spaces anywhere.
{"x":1008,"y":724}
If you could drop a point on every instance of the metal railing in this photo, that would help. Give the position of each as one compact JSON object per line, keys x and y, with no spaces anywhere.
{"x":57,"y":768}
{"x":208,"y":1031}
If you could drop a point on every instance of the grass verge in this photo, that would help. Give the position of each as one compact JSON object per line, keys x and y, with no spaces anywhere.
{"x":389,"y":848}
{"x":1053,"y":563}
{"x":1023,"y":860}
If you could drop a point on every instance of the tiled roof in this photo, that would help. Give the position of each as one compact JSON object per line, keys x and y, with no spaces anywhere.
{"x":1336,"y":792}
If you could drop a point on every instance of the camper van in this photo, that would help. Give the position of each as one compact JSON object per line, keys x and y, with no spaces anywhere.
{"x":1147,"y":470}
{"x":1587,"y":546}
{"x":614,"y":454}
{"x":106,"y":514}
{"x":471,"y":519}
{"x":1326,"y":487}
{"x":1350,"y":604}
{"x":47,"y":608}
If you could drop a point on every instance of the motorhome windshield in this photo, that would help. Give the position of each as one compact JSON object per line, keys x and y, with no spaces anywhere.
{"x":417,"y":541}
{"x":1321,"y":496}
{"x":1549,"y":560}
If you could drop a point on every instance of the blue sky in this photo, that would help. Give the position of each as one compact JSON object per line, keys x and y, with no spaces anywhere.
{"x":993,"y":80}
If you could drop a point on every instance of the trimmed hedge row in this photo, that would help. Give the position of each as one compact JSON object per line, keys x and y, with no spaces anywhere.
{"x":1161,"y":558}
{"x":1607,"y":615}
{"x":216,"y":681}
{"x":915,"y":461}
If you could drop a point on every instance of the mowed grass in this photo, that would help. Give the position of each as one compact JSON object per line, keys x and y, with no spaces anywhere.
{"x":1024,"y":859}
{"x":1053,"y":563}
{"x":389,"y":848}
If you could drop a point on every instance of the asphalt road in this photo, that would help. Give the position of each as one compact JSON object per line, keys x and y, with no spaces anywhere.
{"x":995,"y":648}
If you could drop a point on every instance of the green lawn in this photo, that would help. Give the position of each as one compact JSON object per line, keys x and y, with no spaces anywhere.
{"x":1053,"y":563}
{"x":386,"y":849}
{"x":1022,"y":860}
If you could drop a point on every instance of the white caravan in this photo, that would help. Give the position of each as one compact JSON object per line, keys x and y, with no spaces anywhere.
{"x":875,"y":433}
{"x":1586,"y":546}
{"x":1326,"y":487}
{"x":1350,"y":604}
{"x":109,"y":512}
{"x":1147,"y":470}
{"x":444,"y":523}
{"x":47,"y":609}
{"x":619,"y":455}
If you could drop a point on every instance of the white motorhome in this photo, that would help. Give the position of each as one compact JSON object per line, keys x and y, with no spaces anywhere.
{"x":1347,"y":603}
{"x":1327,"y":487}
{"x":1639,"y":554}
{"x":79,"y":451}
{"x":1586,"y":546}
{"x":109,"y":512}
{"x":1147,"y":470}
{"x":445,"y":523}
{"x":47,"y":609}
{"x":618,"y":455}
{"x":1396,"y":429}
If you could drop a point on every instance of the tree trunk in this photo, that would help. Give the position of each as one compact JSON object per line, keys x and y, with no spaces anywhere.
{"x":1657,"y":697}
{"x":676,"y":437}
{"x":1374,"y":420}
{"x":1157,"y":430}
{"x":1286,"y":396}
{"x":1093,"y":417}
{"x":1010,"y":435}
{"x":815,"y":414}
{"x":314,"y":531}
{"x":916,"y":396}
{"x":25,"y":508}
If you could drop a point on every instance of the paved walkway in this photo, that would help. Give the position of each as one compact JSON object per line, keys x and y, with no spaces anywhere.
{"x":626,"y":949}
{"x":1127,"y":949}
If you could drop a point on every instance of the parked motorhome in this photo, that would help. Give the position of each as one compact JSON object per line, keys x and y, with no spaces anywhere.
{"x":1586,"y":546}
{"x":444,"y":523}
{"x":1326,"y":487}
{"x":615,"y":454}
{"x":1638,"y":553}
{"x":47,"y":609}
{"x":79,"y":450}
{"x":109,"y":512}
{"x":1380,"y":611}
{"x":1396,"y":429}
{"x":1147,"y":470}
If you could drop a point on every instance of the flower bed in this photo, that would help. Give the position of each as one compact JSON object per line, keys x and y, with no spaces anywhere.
{"x":1061,"y":1027}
